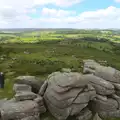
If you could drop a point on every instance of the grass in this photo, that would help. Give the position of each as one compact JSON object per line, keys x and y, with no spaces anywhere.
{"x":51,"y":54}
{"x":48,"y":57}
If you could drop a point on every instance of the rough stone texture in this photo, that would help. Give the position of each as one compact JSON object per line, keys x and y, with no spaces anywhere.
{"x":101,"y":86}
{"x":43,"y":88}
{"x":31,"y":118}
{"x":67,"y":94}
{"x":21,"y":87}
{"x":33,"y":81}
{"x":85,"y":114}
{"x":26,"y":95}
{"x":96,"y":117}
{"x":107,"y":73}
{"x":109,"y":114}
{"x":40,"y":102}
{"x":100,"y":105}
{"x":19,"y":110}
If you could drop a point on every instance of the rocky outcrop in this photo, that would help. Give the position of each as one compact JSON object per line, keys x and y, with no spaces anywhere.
{"x":25,"y":105}
{"x":91,"y":95}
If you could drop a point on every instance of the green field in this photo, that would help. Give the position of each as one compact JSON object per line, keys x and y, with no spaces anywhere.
{"x":42,"y":35}
{"x":51,"y":51}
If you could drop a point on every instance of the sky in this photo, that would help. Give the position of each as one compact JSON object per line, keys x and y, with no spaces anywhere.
{"x":60,"y":14}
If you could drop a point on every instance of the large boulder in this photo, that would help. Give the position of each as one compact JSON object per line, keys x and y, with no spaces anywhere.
{"x":67,"y":94}
{"x":107,"y":73}
{"x":19,"y":110}
{"x":101,"y":86}
{"x":33,"y":81}
{"x":108,"y":105}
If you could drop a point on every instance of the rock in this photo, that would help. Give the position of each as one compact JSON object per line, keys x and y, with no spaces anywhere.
{"x":96,"y":117}
{"x":21,"y":87}
{"x":20,"y":96}
{"x":100,"y":97}
{"x":66,"y":70}
{"x":19,"y":110}
{"x":107,"y":73}
{"x":43,"y":88}
{"x":85,"y":114}
{"x":31,"y":118}
{"x":92,"y":64}
{"x":109,"y":114}
{"x":40,"y":102}
{"x":67,"y":94}
{"x":101,"y":86}
{"x":3,"y":101}
{"x":33,"y":81}
{"x":117,"y":86}
{"x":100,"y":105}
{"x":117,"y":98}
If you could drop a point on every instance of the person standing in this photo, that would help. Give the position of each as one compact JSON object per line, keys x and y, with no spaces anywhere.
{"x":2,"y":80}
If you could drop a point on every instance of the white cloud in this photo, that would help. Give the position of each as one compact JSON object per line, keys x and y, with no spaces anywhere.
{"x":18,"y":17}
{"x":117,"y":0}
{"x":56,"y":13}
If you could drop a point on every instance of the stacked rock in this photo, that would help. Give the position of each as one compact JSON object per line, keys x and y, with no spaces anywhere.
{"x":107,"y":105}
{"x":84,"y":95}
{"x":93,"y":95}
{"x":26,"y":105}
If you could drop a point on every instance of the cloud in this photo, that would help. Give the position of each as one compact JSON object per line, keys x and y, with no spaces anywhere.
{"x":101,"y":18}
{"x":56,"y":13}
{"x":117,"y":0}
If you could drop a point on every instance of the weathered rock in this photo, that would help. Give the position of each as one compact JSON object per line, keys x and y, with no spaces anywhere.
{"x":101,"y":86}
{"x":100,"y":105}
{"x":85,"y":114}
{"x":117,"y":86}
{"x":109,"y":114}
{"x":92,"y":64}
{"x":43,"y":88}
{"x":107,"y":73}
{"x":100,"y":97}
{"x":33,"y":81}
{"x":19,"y":110}
{"x":21,"y":87}
{"x":31,"y":118}
{"x":20,"y":96}
{"x":96,"y":117}
{"x":40,"y":102}
{"x":67,"y":94}
{"x":66,"y":70}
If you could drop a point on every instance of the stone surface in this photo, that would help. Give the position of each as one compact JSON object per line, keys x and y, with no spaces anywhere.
{"x":19,"y":110}
{"x":21,"y":87}
{"x":67,"y":94}
{"x":20,"y":96}
{"x":33,"y":81}
{"x":85,"y":114}
{"x":101,"y":86}
{"x":43,"y":88}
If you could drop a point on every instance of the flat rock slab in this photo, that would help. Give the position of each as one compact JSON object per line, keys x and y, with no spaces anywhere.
{"x":25,"y":96}
{"x":21,"y":87}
